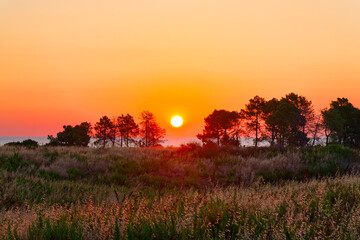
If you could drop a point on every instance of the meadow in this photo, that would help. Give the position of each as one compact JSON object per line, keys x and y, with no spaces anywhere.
{"x":190,"y":192}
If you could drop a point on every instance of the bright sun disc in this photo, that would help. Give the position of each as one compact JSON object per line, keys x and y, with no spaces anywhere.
{"x":176,"y":121}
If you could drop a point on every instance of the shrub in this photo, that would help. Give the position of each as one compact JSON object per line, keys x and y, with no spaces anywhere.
{"x":74,"y":173}
{"x":189,"y":148}
{"x":13,"y":163}
{"x":329,"y":160}
{"x":126,"y":166}
{"x":334,"y":151}
{"x":277,"y":175}
{"x":79,"y":157}
{"x":221,"y":161}
{"x":51,"y":155}
{"x":49,"y":175}
{"x":118,"y":178}
{"x":155,"y":181}
{"x":28,"y":143}
{"x":209,"y":150}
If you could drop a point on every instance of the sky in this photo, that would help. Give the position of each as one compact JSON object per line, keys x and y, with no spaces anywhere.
{"x":69,"y":61}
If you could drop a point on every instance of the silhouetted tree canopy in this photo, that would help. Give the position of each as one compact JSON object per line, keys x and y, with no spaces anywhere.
{"x":288,"y":120}
{"x":305,"y":111}
{"x":270,"y":120}
{"x":105,"y":132}
{"x":127,"y":129}
{"x":284,"y":119}
{"x":342,"y":121}
{"x":150,"y":131}
{"x":285,"y":122}
{"x":79,"y":135}
{"x":219,"y":126}
{"x":253,"y":115}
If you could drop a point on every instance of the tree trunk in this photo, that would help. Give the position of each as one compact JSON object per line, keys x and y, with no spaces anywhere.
{"x":127,"y":139}
{"x":327,"y":140}
{"x":256,"y":131}
{"x":146,"y":138}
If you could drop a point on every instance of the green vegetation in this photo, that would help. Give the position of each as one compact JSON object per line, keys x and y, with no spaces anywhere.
{"x":28,"y":143}
{"x":191,"y":192}
{"x":79,"y":135}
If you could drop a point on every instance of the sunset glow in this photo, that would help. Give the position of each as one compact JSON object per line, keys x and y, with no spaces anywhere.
{"x":179,"y":119}
{"x":64,"y":62}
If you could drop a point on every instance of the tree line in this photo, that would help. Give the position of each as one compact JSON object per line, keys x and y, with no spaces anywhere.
{"x":109,"y":131}
{"x":289,"y":121}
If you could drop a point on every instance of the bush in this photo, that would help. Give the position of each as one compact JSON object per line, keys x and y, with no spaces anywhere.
{"x":28,"y":143}
{"x":51,"y":155}
{"x":277,"y":175}
{"x":124,"y":168}
{"x":49,"y":175}
{"x":329,"y":160}
{"x":79,"y":157}
{"x":209,"y":150}
{"x":155,"y":181}
{"x":13,"y":163}
{"x":74,"y":173}
{"x":189,"y":148}
{"x":222,"y":161}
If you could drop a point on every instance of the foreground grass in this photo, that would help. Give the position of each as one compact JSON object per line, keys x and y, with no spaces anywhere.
{"x":327,"y":209}
{"x":81,"y":193}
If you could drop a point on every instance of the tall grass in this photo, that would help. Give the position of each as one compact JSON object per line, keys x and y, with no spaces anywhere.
{"x":83,"y":193}
{"x":327,"y":209}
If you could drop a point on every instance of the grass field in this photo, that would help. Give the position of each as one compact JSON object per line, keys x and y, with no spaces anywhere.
{"x":185,"y":193}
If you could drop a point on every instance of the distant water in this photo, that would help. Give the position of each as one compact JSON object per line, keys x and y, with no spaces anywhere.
{"x":40,"y":140}
{"x":170,"y":141}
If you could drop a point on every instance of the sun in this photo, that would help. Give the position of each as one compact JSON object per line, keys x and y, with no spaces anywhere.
{"x":176,"y":121}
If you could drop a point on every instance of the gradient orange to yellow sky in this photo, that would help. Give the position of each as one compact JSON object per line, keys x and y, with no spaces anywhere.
{"x":64,"y":62}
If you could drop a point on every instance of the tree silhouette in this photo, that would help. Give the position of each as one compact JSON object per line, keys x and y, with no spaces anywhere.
{"x":105,"y":131}
{"x":333,"y":123}
{"x":290,"y":120}
{"x":306,"y":111}
{"x":286,"y":118}
{"x":283,"y":120}
{"x":150,"y":130}
{"x":219,"y":125}
{"x":253,"y":114}
{"x":342,"y":120}
{"x":127,"y":129}
{"x":317,"y":128}
{"x":270,"y":120}
{"x":78,"y":135}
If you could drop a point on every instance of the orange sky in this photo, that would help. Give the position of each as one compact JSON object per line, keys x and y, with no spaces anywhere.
{"x":63,"y":62}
